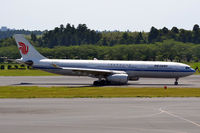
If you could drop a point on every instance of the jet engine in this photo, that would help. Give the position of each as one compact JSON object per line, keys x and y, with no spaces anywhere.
{"x":118,"y":78}
{"x":29,"y":62}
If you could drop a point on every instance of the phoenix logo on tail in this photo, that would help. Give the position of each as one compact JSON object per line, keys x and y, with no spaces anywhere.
{"x":23,"y":48}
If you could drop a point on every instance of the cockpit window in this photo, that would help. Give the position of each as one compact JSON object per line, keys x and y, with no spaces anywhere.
{"x":187,"y":67}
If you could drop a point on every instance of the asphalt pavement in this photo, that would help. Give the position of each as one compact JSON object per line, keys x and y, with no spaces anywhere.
{"x":191,"y":81}
{"x":114,"y":115}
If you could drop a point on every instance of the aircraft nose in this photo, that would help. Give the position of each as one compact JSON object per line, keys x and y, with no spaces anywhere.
{"x":192,"y":71}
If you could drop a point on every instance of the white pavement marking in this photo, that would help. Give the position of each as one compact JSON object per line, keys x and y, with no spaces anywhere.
{"x":108,"y":115}
{"x":179,"y":117}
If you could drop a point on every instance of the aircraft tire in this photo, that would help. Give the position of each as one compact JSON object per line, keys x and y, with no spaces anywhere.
{"x":176,"y":83}
{"x":96,"y":83}
{"x":101,"y":83}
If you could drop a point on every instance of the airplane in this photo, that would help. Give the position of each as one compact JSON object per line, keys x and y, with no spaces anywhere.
{"x":107,"y":71}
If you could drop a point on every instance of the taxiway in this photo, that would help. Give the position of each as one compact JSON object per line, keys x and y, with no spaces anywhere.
{"x":115,"y":115}
{"x":191,"y":81}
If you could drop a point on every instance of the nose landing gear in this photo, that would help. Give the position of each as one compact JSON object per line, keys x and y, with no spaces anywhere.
{"x":176,"y":81}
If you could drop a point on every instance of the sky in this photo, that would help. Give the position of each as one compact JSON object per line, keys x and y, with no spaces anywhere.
{"x":123,"y":15}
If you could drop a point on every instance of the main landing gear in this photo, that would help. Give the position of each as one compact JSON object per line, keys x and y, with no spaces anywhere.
{"x":101,"y":82}
{"x":176,"y":81}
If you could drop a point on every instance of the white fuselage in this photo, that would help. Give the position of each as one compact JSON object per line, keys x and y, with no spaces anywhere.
{"x":134,"y":69}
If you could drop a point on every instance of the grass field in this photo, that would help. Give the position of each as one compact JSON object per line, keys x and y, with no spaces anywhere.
{"x":94,"y":92}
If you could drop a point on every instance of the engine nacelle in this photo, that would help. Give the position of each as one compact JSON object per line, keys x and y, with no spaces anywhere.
{"x":118,"y":78}
{"x":29,"y":62}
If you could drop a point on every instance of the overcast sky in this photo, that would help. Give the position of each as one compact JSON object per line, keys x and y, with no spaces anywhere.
{"x":133,"y":15}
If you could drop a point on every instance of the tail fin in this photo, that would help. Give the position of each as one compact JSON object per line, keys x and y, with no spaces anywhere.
{"x":27,"y":51}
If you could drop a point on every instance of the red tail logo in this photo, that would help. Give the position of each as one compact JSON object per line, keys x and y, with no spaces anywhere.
{"x":23,"y":47}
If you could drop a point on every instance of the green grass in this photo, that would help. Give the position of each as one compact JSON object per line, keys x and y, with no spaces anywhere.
{"x":94,"y":92}
{"x":26,"y":72}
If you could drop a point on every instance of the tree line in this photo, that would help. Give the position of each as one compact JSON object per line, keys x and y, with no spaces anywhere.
{"x":10,"y":33}
{"x":168,"y":50}
{"x":82,"y":43}
{"x":70,"y":35}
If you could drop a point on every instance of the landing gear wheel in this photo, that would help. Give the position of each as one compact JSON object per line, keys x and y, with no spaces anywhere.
{"x":176,"y":81}
{"x":100,"y":82}
{"x":96,"y":83}
{"x":108,"y":82}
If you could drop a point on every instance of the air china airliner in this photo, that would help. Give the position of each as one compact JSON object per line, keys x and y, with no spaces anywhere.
{"x":107,"y":71}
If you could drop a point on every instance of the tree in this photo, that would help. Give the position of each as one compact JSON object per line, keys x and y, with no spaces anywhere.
{"x":175,"y":30}
{"x":165,"y":30}
{"x":61,"y":28}
{"x":173,"y":34}
{"x":33,"y":37}
{"x":196,"y":28}
{"x":139,"y":38}
{"x":104,"y":42}
{"x":153,"y":35}
{"x":124,"y":38}
{"x":182,"y":35}
{"x":196,"y":34}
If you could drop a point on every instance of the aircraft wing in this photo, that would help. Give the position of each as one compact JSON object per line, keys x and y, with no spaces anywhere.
{"x":94,"y":72}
